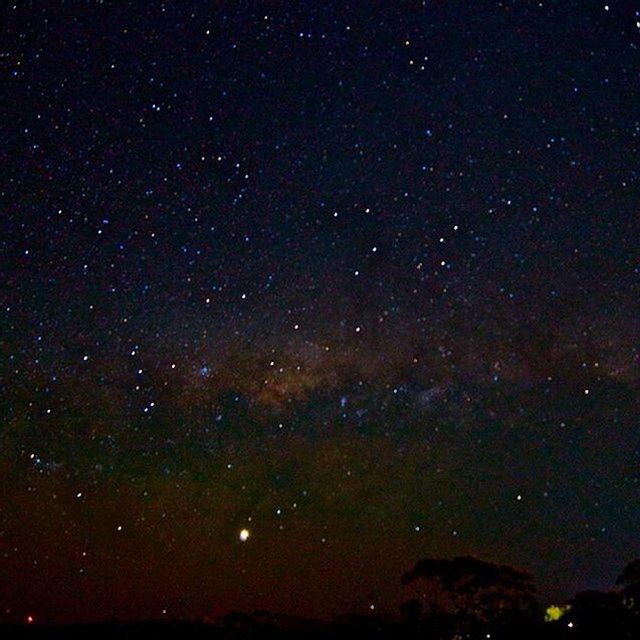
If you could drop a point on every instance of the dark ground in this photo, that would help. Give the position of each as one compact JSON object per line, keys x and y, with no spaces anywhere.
{"x":266,"y":626}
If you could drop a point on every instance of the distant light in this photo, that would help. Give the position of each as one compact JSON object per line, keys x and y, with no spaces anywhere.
{"x":30,"y":619}
{"x":554,"y":612}
{"x":244,"y":535}
{"x":570,"y":625}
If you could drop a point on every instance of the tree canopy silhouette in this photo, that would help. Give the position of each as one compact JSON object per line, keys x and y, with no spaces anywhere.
{"x":629,"y":580}
{"x":630,"y":576}
{"x":469,"y":586}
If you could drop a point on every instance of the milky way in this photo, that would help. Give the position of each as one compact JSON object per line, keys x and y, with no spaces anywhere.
{"x":294,"y":295}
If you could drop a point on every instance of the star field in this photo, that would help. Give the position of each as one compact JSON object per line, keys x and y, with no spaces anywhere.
{"x":295,"y":294}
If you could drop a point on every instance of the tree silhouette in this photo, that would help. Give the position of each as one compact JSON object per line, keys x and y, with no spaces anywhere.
{"x":629,"y":580}
{"x":630,"y":576}
{"x":597,"y":615}
{"x":411,"y":611}
{"x":467,"y":586}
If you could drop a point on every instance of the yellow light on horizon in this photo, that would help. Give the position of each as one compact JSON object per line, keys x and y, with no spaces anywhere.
{"x":244,"y":535}
{"x":555,"y":612}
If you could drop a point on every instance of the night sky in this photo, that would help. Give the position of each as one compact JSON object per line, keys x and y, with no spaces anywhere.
{"x":294,"y":294}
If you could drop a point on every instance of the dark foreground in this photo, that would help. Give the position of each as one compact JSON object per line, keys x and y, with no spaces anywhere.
{"x":267,"y":627}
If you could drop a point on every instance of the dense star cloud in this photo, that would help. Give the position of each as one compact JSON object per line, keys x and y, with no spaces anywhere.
{"x":295,"y":294}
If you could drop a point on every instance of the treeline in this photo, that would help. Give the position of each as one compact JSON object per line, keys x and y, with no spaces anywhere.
{"x":466,"y":597}
{"x":463,"y":598}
